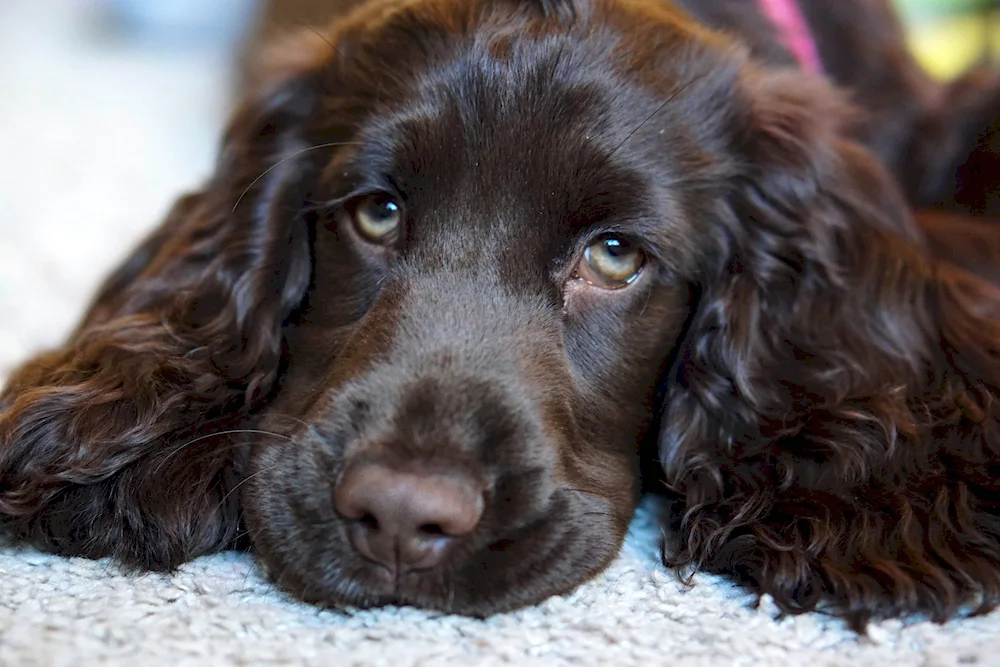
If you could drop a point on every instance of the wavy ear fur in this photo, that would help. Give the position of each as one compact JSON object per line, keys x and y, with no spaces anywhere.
{"x":105,"y":443}
{"x":831,"y":422}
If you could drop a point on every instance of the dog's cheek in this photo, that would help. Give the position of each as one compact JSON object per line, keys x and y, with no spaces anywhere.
{"x":619,"y":346}
{"x":287,"y":502}
{"x":618,"y":353}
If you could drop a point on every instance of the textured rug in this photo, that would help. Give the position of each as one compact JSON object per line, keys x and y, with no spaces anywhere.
{"x":97,"y":137}
{"x":219,"y":611}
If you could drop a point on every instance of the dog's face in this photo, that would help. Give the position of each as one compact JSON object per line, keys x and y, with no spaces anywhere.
{"x":498,"y":278}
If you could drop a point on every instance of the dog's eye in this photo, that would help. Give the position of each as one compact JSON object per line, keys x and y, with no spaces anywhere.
{"x":377,"y":217}
{"x":611,"y":262}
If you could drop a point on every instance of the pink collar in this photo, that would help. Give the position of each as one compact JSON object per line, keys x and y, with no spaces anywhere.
{"x":794,"y":31}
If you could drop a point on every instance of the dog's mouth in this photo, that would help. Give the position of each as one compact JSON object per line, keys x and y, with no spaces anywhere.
{"x":507,"y":563}
{"x":429,"y":587}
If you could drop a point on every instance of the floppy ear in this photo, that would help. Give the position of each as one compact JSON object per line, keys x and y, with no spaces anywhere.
{"x":105,"y":444}
{"x":831,"y":422}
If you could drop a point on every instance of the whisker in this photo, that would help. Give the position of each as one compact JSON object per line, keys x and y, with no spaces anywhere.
{"x":279,"y":578}
{"x":205,"y":456}
{"x":215,"y":434}
{"x":254,"y":558}
{"x":253,"y":566}
{"x":286,"y":159}
{"x":241,"y":483}
{"x":239,"y":431}
{"x":652,"y":115}
{"x":293,"y":419}
{"x":241,"y":522}
{"x":313,"y":30}
{"x":649,"y":294}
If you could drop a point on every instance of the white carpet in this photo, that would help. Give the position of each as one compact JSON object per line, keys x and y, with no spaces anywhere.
{"x":95,"y":141}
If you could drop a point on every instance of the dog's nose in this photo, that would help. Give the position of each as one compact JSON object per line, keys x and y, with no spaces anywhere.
{"x":406,"y":521}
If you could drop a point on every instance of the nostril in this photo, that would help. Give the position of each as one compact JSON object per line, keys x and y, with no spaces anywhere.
{"x":432,"y":530}
{"x":369,"y":521}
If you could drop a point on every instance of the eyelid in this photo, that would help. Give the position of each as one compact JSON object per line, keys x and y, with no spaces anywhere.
{"x":365,"y":186}
{"x":655,"y":253}
{"x":597,"y":233}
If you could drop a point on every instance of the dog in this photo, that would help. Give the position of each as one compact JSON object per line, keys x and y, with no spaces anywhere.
{"x":468,"y":272}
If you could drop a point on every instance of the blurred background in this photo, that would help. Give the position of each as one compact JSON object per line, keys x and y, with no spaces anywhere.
{"x":111,"y":108}
{"x":949,"y":36}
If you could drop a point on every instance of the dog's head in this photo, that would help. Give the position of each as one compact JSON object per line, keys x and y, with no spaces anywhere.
{"x":512,"y":210}
{"x":455,"y":257}
{"x":495,"y":269}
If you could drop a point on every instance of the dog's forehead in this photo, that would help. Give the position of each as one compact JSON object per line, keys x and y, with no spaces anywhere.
{"x":531,"y":137}
{"x":511,"y":150}
{"x":529,"y":174}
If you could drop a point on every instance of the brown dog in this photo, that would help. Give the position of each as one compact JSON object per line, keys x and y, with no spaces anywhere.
{"x":464,"y":262}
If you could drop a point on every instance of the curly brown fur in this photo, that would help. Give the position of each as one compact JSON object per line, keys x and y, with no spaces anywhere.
{"x":832,"y":422}
{"x":106,"y":442}
{"x":813,"y":375}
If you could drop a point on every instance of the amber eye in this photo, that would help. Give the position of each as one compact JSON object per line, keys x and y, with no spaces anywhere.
{"x":611,"y":262}
{"x":378,"y":217}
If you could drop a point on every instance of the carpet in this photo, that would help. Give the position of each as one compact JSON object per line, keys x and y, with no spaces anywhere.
{"x":98,"y":137}
{"x":219,"y":611}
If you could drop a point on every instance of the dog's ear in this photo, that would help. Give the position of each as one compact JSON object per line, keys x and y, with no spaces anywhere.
{"x":831,"y":420}
{"x":106,"y":444}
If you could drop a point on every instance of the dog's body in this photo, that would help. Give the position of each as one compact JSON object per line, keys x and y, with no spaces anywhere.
{"x":464,"y":263}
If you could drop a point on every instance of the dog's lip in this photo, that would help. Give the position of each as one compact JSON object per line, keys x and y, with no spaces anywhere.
{"x":396,"y":587}
{"x":409,"y":586}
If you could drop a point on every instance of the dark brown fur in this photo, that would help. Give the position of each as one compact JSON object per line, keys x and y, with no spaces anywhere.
{"x":818,"y":387}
